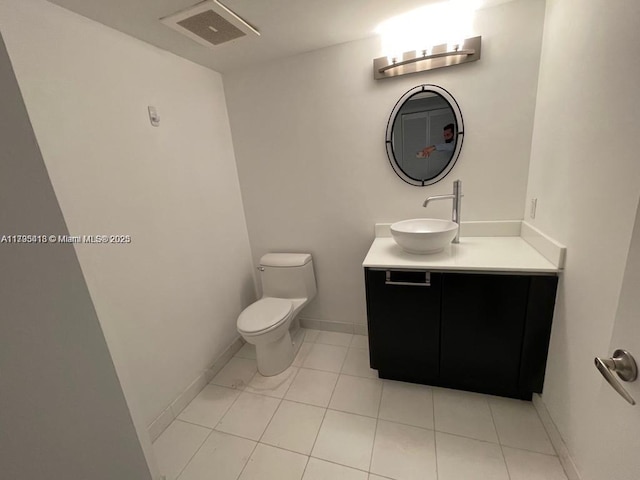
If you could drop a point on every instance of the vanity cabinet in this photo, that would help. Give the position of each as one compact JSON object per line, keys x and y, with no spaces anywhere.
{"x":484,"y":332}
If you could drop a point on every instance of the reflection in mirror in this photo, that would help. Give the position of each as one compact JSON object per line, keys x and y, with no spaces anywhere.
{"x":424,"y":135}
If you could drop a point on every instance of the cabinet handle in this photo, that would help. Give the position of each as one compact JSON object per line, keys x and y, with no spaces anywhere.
{"x":624,"y":365}
{"x":426,"y":283}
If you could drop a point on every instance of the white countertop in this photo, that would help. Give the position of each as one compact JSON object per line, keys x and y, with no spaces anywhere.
{"x":494,"y":254}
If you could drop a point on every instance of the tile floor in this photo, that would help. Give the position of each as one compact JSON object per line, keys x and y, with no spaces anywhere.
{"x":329,"y":417}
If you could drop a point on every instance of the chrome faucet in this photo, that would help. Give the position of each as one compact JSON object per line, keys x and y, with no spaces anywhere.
{"x":456,"y":196}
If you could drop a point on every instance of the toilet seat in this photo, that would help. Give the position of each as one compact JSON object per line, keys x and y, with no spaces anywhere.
{"x":264,"y":315}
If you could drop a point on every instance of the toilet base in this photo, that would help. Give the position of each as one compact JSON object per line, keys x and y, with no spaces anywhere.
{"x":275,"y":357}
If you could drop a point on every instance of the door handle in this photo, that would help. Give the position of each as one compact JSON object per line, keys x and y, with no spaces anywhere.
{"x":624,"y":365}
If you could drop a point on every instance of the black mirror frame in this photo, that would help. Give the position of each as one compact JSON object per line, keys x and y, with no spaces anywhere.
{"x":459,"y":136}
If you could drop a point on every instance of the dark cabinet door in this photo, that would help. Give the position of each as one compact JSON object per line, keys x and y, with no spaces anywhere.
{"x":403,"y":310}
{"x":482,"y":328}
{"x":537,"y":332}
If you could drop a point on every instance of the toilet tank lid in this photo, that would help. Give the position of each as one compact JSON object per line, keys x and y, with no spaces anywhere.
{"x":285,"y":259}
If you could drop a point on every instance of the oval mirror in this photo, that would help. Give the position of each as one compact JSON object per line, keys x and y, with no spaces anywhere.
{"x":424,"y":135}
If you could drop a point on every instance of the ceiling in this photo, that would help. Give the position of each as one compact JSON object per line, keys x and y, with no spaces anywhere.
{"x":287,"y":27}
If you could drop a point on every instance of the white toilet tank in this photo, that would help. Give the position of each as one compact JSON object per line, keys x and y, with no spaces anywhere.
{"x":287,"y":275}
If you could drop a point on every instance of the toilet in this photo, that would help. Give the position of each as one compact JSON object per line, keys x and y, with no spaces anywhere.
{"x":288,"y":284}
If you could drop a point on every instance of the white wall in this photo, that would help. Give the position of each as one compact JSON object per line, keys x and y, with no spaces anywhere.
{"x":167,"y":302}
{"x":309,"y":132}
{"x":62,"y":411}
{"x":586,"y":175}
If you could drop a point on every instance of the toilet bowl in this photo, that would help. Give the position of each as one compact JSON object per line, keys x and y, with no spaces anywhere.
{"x":288,"y":284}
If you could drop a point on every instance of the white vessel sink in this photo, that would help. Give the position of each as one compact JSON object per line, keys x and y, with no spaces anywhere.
{"x":424,"y":235}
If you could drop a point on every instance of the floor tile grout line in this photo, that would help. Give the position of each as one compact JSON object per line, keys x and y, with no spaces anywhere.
{"x":344,"y":360}
{"x":360,"y":376}
{"x":368,"y":374}
{"x":274,"y":396}
{"x":324,"y":417}
{"x":495,"y":426}
{"x":194,"y":454}
{"x":283,"y":448}
{"x":221,"y":417}
{"x":273,"y":416}
{"x":435,"y":435}
{"x":232,"y":435}
{"x":281,"y":399}
{"x":244,"y":467}
{"x":270,"y":419}
{"x":515,"y":447}
{"x":315,"y":440}
{"x":263,"y":442}
{"x":332,"y":371}
{"x":333,"y":344}
{"x":347,"y":411}
{"x":195,"y":424}
{"x":544,"y":427}
{"x":315,"y":404}
{"x":227,"y":411}
{"x":520,"y":449}
{"x":304,"y":403}
{"x":333,"y":462}
{"x":375,"y":431}
{"x":293,"y":380}
{"x":458,"y":435}
{"x":265,"y":429}
{"x":435,"y":451}
{"x":304,"y":470}
{"x":304,"y":357}
{"x":333,"y":392}
{"x":336,"y":345}
{"x":433,"y":409}
{"x":333,"y":409}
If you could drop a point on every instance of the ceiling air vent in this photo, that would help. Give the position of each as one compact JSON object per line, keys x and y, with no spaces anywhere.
{"x":209,"y":23}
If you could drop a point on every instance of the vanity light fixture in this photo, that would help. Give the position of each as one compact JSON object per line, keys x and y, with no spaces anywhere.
{"x":445,"y":55}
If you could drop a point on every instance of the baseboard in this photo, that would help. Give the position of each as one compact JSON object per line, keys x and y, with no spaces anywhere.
{"x":189,"y":394}
{"x":556,"y":439}
{"x":223,"y":359}
{"x":360,"y":329}
{"x":172,"y":411}
{"x":160,"y":424}
{"x":328,"y":326}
